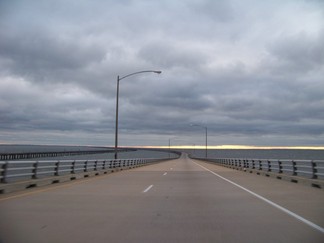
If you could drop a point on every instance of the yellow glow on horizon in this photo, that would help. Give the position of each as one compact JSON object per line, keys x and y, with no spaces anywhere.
{"x":229,"y":147}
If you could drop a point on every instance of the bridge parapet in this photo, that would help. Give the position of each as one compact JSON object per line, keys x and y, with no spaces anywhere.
{"x":19,"y":175}
{"x":309,"y":172}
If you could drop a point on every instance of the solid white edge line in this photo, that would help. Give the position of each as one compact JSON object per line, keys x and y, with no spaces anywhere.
{"x":147,"y":189}
{"x":315,"y":226}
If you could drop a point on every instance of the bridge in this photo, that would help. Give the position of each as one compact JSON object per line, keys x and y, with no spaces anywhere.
{"x":179,"y":200}
{"x":32,"y":155}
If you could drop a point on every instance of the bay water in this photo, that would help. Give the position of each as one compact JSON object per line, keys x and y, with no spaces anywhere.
{"x":293,"y":154}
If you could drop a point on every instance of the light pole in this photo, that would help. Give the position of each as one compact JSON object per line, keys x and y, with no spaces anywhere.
{"x":196,"y":125}
{"x":117,"y":99}
{"x":170,"y":145}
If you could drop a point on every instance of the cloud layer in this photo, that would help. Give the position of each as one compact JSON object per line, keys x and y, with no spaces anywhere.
{"x":251,"y":71}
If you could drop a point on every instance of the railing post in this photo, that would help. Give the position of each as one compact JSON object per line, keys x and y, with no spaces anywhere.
{"x":269,"y":165}
{"x":85,"y":167}
{"x":35,"y":169}
{"x":4,"y":172}
{"x":294,"y":164}
{"x":280,"y":167}
{"x":95,"y":165}
{"x":314,"y":170}
{"x":57,"y":165}
{"x":73,"y":167}
{"x":111,"y":164}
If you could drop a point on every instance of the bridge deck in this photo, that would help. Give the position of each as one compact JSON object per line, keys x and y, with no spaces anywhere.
{"x":175,"y":201}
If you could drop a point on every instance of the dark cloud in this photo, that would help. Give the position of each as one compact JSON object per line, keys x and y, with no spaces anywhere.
{"x":252,"y":73}
{"x":41,"y":56}
{"x":173,"y":55}
{"x":219,"y":11}
{"x":299,"y":53}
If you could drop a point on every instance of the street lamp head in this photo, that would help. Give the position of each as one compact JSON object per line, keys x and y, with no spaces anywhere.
{"x":158,"y":72}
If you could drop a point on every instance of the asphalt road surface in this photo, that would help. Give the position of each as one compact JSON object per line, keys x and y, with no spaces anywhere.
{"x":180,"y":200}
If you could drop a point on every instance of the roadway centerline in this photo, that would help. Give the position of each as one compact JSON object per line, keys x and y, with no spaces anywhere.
{"x":147,"y":189}
{"x":309,"y":223}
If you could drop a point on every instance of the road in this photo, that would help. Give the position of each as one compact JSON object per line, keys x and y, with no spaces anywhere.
{"x":180,"y":200}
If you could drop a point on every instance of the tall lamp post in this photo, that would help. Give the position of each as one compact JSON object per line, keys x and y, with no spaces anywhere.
{"x":170,"y":145}
{"x":196,"y":125}
{"x":117,"y":99}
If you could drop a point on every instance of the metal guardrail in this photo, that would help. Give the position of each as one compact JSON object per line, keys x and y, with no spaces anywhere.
{"x":311,"y":169}
{"x":13,"y":171}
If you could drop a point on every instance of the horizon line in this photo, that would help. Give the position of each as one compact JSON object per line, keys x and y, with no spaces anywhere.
{"x":225,"y":146}
{"x":319,"y":147}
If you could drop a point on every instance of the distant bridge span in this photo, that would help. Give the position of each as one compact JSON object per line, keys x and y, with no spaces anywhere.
{"x":181,"y":200}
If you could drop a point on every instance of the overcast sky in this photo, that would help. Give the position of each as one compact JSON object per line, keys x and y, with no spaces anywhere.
{"x":251,"y":71}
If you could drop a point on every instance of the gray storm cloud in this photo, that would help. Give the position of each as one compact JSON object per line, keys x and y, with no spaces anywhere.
{"x":251,"y":72}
